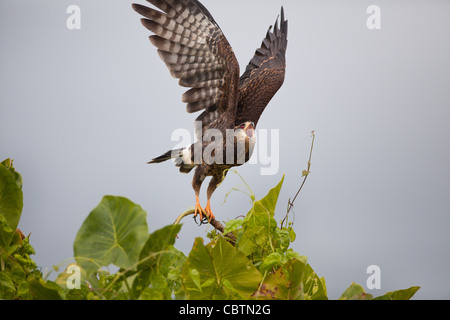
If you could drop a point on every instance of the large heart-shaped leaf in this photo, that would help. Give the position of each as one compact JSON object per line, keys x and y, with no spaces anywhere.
{"x":113,"y":233}
{"x":219,"y":272}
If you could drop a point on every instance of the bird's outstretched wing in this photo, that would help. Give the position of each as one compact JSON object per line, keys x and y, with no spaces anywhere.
{"x":196,"y":52}
{"x":264,"y":75}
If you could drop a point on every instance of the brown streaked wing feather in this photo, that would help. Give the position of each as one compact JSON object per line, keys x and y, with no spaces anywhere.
{"x":264,"y":74}
{"x":196,"y":52}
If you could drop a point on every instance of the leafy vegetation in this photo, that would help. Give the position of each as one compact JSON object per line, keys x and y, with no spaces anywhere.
{"x":256,"y":263}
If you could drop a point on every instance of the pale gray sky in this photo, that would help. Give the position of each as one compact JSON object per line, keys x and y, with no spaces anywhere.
{"x":82,"y":111}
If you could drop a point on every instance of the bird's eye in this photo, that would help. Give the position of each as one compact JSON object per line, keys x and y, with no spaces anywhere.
{"x":242,"y":126}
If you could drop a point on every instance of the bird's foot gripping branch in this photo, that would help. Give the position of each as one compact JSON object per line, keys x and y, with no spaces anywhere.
{"x":258,"y":263}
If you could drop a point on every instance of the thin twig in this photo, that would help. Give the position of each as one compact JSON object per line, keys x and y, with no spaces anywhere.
{"x":305,"y":174}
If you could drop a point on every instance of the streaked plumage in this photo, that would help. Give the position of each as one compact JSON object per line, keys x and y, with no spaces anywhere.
{"x":197,"y":53}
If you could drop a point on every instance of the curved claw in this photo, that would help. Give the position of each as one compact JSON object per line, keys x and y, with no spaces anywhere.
{"x":206,"y":215}
{"x":199,"y":212}
{"x":202,"y":222}
{"x":209,"y":213}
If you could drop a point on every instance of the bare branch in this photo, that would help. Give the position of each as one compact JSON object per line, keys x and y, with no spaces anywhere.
{"x":215,"y":223}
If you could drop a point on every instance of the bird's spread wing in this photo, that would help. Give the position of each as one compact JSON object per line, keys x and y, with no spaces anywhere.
{"x":196,"y":52}
{"x":264,"y":74}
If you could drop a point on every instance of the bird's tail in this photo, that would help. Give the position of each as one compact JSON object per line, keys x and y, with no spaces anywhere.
{"x":173,"y":154}
{"x":179,"y":156}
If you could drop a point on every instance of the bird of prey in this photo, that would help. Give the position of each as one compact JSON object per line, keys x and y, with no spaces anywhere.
{"x":196,"y":52}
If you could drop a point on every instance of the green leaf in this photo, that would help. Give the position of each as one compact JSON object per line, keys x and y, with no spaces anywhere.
{"x":269,"y":202}
{"x":113,"y":233}
{"x":8,"y":163}
{"x":195,"y":277}
{"x":224,"y":272}
{"x":292,"y":234}
{"x":282,"y":239}
{"x":156,"y":260}
{"x":156,"y":245}
{"x":285,"y":283}
{"x":405,"y":294}
{"x":159,"y":289}
{"x":273,"y":260}
{"x":259,"y":224}
{"x":355,"y":292}
{"x":6,"y":235}
{"x":5,"y":283}
{"x":233,"y":225}
{"x":314,"y":287}
{"x":291,"y":254}
{"x":11,"y":204}
{"x":40,"y":291}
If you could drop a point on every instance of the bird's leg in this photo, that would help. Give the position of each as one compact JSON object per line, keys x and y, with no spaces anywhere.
{"x":208,"y":211}
{"x":211,"y":188}
{"x":199,"y":177}
{"x":198,"y":208}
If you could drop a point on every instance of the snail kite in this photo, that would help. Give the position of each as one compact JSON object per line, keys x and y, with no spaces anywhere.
{"x":197,"y":53}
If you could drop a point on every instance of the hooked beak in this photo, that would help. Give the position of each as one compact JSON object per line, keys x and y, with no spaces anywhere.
{"x":250,"y":130}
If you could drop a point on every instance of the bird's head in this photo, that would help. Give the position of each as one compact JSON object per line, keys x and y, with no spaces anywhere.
{"x":248,"y":127}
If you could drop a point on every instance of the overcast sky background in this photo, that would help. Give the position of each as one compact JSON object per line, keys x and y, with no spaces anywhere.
{"x":82,"y":111}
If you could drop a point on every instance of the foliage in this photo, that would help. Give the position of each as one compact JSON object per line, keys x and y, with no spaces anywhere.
{"x":113,"y":233}
{"x":218,"y":271}
{"x":259,"y":264}
{"x":19,"y":275}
